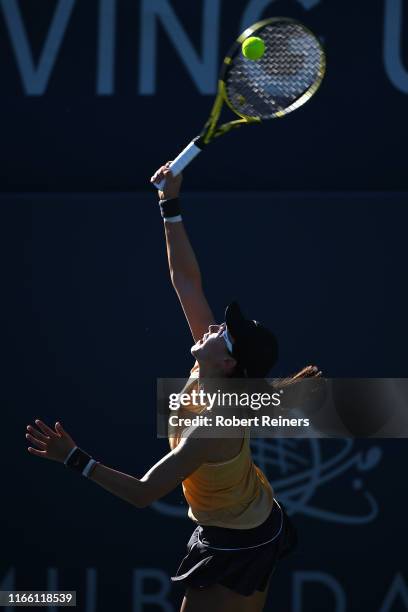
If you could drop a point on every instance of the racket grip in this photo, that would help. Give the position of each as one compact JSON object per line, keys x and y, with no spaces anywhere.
{"x":182,"y":161}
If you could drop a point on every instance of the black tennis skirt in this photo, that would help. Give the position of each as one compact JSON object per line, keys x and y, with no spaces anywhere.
{"x":239,"y":559}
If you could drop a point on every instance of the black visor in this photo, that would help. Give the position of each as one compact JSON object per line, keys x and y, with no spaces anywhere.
{"x":254,"y":347}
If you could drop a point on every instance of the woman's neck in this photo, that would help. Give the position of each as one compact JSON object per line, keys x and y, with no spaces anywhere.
{"x":210,"y":379}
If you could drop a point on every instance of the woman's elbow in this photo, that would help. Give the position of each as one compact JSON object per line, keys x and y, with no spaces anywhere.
{"x":143,"y":495}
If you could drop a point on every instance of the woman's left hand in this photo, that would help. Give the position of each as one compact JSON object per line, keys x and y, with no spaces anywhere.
{"x":54,"y":444}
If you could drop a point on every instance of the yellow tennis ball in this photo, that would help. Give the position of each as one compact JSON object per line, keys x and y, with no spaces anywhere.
{"x":253,"y":48}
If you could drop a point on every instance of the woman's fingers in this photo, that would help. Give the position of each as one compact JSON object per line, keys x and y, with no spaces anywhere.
{"x":45,"y":429}
{"x":38,"y":443}
{"x":38,"y":453}
{"x":157,"y":178}
{"x":37,"y":434}
{"x":59,"y":428}
{"x":159,"y":174}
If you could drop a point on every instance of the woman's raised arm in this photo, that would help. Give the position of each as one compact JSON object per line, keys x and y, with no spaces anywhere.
{"x":183,"y":265}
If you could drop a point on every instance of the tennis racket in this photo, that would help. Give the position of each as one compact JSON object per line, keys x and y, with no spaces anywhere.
{"x":286,"y":77}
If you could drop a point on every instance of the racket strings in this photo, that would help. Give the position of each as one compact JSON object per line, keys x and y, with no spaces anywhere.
{"x":293,"y":62}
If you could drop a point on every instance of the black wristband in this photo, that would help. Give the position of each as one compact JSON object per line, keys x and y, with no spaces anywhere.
{"x":170,"y":208}
{"x":78,"y":460}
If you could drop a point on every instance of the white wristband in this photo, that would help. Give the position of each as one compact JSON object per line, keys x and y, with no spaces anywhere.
{"x":173,"y":219}
{"x":88,"y":468}
{"x":71,"y":452}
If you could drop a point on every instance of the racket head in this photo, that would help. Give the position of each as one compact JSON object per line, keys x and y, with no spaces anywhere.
{"x":289,"y":73}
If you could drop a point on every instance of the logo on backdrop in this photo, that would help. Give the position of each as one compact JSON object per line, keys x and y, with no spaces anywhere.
{"x":302,"y":471}
{"x":157,"y":16}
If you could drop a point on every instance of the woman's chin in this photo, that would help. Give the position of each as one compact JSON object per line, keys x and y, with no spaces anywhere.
{"x":195,"y":349}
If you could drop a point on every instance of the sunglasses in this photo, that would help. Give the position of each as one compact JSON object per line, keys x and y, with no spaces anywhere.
{"x":227,"y":340}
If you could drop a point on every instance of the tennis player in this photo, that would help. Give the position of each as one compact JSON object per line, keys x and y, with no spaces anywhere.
{"x":242,"y":530}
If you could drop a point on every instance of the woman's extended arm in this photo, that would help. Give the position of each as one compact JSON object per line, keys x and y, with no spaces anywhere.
{"x":183,"y":266}
{"x":162,"y":478}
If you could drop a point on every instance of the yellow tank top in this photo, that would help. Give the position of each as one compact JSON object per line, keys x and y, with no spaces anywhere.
{"x":233,"y":494}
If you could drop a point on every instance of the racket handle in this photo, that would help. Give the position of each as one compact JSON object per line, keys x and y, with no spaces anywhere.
{"x":182,"y":161}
